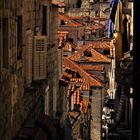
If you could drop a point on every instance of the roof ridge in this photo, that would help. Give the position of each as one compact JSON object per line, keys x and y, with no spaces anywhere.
{"x":68,"y":18}
{"x":93,"y":51}
{"x":101,"y":55}
{"x":71,"y":43}
{"x":96,"y":66}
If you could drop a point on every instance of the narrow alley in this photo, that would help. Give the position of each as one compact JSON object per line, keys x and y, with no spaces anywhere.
{"x":66,"y":69}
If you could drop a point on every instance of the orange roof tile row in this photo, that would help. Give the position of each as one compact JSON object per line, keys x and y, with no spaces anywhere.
{"x":88,"y":79}
{"x":95,"y":44}
{"x":99,"y":67}
{"x":62,"y":36}
{"x":58,"y":3}
{"x":73,"y":114}
{"x":68,"y":20}
{"x":60,"y":42}
{"x":100,"y":44}
{"x":63,"y":33}
{"x":78,"y":97}
{"x":69,"y":46}
{"x":96,"y":57}
{"x":67,"y":74}
{"x":85,"y":87}
{"x":77,"y":80}
{"x":84,"y":106}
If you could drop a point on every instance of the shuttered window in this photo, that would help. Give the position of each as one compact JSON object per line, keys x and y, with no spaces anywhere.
{"x":44,"y":21}
{"x":28,"y":56}
{"x":5,"y":42}
{"x":19,"y":37}
{"x":39,"y":59}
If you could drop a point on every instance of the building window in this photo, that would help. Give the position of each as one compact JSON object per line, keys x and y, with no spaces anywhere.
{"x":79,"y":2}
{"x":19,"y":37}
{"x":5,"y":42}
{"x":62,"y":22}
{"x":107,"y":52}
{"x":44,"y":21}
{"x":70,"y":40}
{"x":96,"y":13}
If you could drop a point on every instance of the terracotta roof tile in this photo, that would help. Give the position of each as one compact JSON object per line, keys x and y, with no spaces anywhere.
{"x":84,"y":106}
{"x":73,"y":114}
{"x":62,"y":36}
{"x":58,"y":3}
{"x":85,"y":86}
{"x":95,"y":58}
{"x":77,"y":80}
{"x":101,"y":44}
{"x":99,"y":67}
{"x":68,"y":20}
{"x":88,"y":79}
{"x":69,"y":46}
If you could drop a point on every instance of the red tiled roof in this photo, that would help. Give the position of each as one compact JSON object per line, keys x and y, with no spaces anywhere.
{"x":62,"y":36}
{"x":92,"y":67}
{"x":68,"y":20}
{"x":63,"y":33}
{"x":77,"y":80}
{"x":84,"y":106}
{"x":95,"y":58}
{"x":84,"y":87}
{"x":81,"y":82}
{"x":88,"y":79}
{"x":100,"y":45}
{"x":67,"y":75}
{"x":58,"y":3}
{"x":73,"y":114}
{"x":69,"y":46}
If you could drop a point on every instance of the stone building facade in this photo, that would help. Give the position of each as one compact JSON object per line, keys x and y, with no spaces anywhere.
{"x":91,"y":9}
{"x":29,"y":71}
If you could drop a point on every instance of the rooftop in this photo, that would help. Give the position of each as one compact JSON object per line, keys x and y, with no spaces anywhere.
{"x":69,"y":46}
{"x":95,"y":57}
{"x":58,"y":3}
{"x":99,"y":67}
{"x":68,"y":21}
{"x":88,"y":79}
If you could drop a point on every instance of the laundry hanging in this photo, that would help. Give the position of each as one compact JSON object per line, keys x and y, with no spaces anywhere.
{"x":113,"y":6}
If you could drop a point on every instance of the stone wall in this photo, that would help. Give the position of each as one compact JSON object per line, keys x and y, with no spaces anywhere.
{"x":76,"y":129}
{"x":15,"y":102}
{"x":15,"y":105}
{"x":96,"y":114}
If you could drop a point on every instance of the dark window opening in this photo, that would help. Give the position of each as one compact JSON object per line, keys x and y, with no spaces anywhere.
{"x":5,"y":42}
{"x":70,"y":40}
{"x":44,"y":21}
{"x":19,"y":37}
{"x":65,"y":55}
{"x":96,"y":13}
{"x":83,"y":37}
{"x":107,"y":52}
{"x":62,"y":22}
{"x":79,"y":2}
{"x":87,"y":53}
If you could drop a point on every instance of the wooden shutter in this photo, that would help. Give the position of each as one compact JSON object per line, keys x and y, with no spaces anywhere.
{"x":28,"y":57}
{"x":39,"y":59}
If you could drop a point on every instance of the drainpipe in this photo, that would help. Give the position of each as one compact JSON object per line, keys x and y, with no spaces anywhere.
{"x":90,"y":101}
